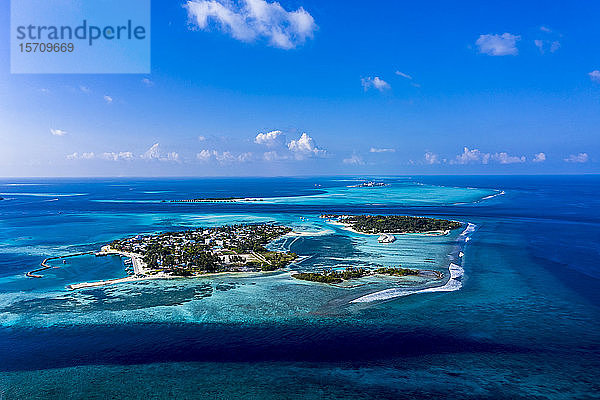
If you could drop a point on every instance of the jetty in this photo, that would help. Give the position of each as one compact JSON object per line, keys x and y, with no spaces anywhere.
{"x":44,"y":264}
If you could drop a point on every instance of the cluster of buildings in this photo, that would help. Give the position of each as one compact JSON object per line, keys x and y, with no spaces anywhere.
{"x":369,"y":184}
{"x":225,"y":245}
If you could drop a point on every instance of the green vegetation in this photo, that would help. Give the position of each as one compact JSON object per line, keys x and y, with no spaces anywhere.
{"x":397,"y":224}
{"x":396,"y":271}
{"x":277,"y":260}
{"x":193,"y":257}
{"x":331,"y":276}
{"x":317,"y":277}
{"x":204,"y":250}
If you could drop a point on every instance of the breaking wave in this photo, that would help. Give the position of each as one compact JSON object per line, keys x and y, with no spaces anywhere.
{"x":454,"y":282}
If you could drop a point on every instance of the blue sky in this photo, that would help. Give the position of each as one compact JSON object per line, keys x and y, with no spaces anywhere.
{"x":311,"y":87}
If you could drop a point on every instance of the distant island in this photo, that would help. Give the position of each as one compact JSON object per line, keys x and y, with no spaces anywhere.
{"x":369,"y":184}
{"x":331,"y":276}
{"x":230,"y":248}
{"x":388,"y":225}
{"x":212,"y":200}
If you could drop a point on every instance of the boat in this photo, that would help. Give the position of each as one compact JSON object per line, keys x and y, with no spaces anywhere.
{"x":386,"y":238}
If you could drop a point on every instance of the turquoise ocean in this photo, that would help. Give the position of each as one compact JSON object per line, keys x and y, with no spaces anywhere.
{"x":516,"y":314}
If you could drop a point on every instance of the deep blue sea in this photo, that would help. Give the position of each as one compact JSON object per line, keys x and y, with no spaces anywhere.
{"x":521,"y":321}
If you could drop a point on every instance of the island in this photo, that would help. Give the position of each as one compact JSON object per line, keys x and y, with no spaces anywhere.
{"x":369,"y":184}
{"x":389,"y":225}
{"x":242,"y":248}
{"x":193,"y":253}
{"x":212,"y":200}
{"x":331,"y":276}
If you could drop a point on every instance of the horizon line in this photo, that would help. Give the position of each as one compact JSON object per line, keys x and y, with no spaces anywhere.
{"x":358,"y":176}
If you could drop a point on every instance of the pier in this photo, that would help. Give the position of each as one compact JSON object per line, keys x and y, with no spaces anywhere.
{"x":45,"y":266}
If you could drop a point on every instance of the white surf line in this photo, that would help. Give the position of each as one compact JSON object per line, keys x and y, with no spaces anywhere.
{"x":454,"y":283}
{"x":491,"y":196}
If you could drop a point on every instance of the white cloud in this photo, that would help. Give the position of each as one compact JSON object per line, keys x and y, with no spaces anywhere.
{"x":595,"y":76}
{"x":547,"y":45}
{"x":201,"y":138}
{"x":248,"y":20}
{"x":245,"y":157}
{"x":154,"y":153}
{"x":204,"y":155}
{"x":110,"y":156}
{"x":377,"y":150}
{"x":82,"y":156}
{"x":224,"y":157}
{"x":432,"y":158}
{"x":548,"y":41}
{"x":270,"y":139}
{"x":402,"y":74}
{"x":273,"y":156}
{"x":118,"y":156}
{"x":126,"y":155}
{"x":84,"y":89}
{"x":577,"y":158}
{"x":375,"y":83}
{"x":505,"y":158}
{"x":58,"y":132}
{"x":172,"y":156}
{"x":539,"y":157}
{"x":305,"y":147}
{"x":301,"y":148}
{"x":471,"y":156}
{"x":108,"y":99}
{"x":353,"y":160}
{"x":475,"y":156}
{"x":147,"y":82}
{"x":498,"y":45}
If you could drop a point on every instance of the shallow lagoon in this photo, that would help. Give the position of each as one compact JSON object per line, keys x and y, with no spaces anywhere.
{"x":524,"y":324}
{"x":47,"y":229}
{"x":256,"y":297}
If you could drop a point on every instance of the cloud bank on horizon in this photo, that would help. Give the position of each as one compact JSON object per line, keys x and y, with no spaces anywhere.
{"x":274,"y":146}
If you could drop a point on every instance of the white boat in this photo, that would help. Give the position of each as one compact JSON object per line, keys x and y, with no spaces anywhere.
{"x":386,"y":238}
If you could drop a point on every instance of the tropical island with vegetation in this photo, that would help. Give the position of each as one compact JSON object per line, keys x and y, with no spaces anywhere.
{"x":208,"y":250}
{"x":338,"y":276}
{"x":189,"y":253}
{"x":242,"y":248}
{"x":387,"y":225}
